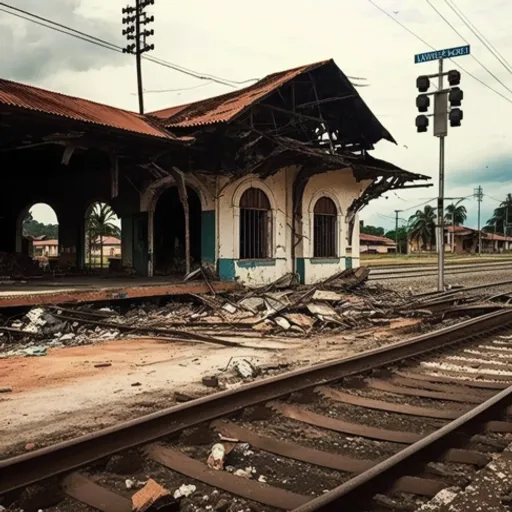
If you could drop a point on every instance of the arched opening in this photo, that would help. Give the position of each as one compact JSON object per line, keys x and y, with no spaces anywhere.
{"x":39,"y":235}
{"x":325,"y":224}
{"x":255,"y":225}
{"x":102,"y":238}
{"x":169,"y":232}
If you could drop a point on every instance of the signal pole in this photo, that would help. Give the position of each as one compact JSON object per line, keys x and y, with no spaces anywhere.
{"x":479,"y":194}
{"x":396,"y":228}
{"x":440,"y":123}
{"x":134,"y":32}
{"x":441,"y":116}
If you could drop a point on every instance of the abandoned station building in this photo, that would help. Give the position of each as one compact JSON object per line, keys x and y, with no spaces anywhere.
{"x":255,"y":183}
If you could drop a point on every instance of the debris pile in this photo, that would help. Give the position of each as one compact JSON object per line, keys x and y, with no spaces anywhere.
{"x":339,"y":303}
{"x":18,"y":266}
{"x":284,"y":308}
{"x":32,"y":334}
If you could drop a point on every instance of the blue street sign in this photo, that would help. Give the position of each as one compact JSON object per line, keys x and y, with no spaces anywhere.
{"x":442,"y":54}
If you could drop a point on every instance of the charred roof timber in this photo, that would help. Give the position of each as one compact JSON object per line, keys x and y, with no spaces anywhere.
{"x":311,"y":117}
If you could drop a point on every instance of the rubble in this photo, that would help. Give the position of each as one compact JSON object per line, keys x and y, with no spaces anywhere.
{"x":211,"y":382}
{"x":284,"y":308}
{"x":184,"y":491}
{"x":149,"y":496}
{"x":216,"y":457}
{"x":15,"y":266}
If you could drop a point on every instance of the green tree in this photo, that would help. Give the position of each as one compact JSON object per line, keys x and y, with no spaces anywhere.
{"x":455,"y":215}
{"x":34,"y":228}
{"x":372,"y":230}
{"x":423,"y":227}
{"x":100,"y":223}
{"x":499,"y":217}
{"x":400,"y":237}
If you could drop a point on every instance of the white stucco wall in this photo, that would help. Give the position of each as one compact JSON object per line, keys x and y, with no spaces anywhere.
{"x":342,"y":188}
{"x":278,"y":189}
{"x":221,"y":196}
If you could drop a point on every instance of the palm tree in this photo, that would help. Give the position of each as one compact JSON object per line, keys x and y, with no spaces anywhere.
{"x":423,"y":226}
{"x":498,"y":221}
{"x":455,"y":215}
{"x":100,"y":223}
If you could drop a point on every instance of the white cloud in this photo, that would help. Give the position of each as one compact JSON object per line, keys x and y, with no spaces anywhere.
{"x":240,"y":40}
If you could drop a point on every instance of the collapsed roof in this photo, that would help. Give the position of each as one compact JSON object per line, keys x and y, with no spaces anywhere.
{"x":320,"y":91}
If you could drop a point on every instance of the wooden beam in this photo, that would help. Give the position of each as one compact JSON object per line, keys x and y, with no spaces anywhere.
{"x":325,"y":100}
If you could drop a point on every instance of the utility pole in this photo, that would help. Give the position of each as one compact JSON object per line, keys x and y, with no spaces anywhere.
{"x":441,"y":116}
{"x":479,"y":194}
{"x":136,"y":20}
{"x":396,"y":228}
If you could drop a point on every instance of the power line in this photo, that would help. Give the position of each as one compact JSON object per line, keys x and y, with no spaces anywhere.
{"x":467,"y":42}
{"x":433,"y":48}
{"x":458,"y":11}
{"x":64,"y":29}
{"x":385,"y":216}
{"x":421,"y":204}
{"x":497,"y":200}
{"x":149,"y":91}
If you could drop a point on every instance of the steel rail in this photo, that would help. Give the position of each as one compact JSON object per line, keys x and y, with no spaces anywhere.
{"x":357,"y":492}
{"x":29,"y":468}
{"x":436,"y":294}
{"x":449,"y":264}
{"x":403,"y":270}
{"x":382,"y":276}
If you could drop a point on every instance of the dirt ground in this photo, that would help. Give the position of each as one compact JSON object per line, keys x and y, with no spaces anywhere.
{"x":75,"y":390}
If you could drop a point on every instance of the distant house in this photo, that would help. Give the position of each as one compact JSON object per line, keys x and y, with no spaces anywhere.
{"x":371,"y":244}
{"x":111,"y":247}
{"x":463,"y":239}
{"x":459,"y":239}
{"x":45,"y":248}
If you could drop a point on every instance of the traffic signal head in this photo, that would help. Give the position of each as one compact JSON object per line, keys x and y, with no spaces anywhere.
{"x":455,"y":116}
{"x":423,"y":102}
{"x":421,"y":123}
{"x":454,"y":77}
{"x":456,"y":96}
{"x":423,"y":83}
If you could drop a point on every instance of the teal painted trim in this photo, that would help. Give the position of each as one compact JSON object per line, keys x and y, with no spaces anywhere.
{"x":325,"y":261}
{"x":226,"y":269}
{"x":208,"y":236}
{"x":271,"y":262}
{"x":301,"y":270}
{"x":348,"y":262}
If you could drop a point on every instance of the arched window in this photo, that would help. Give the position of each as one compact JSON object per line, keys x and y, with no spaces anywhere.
{"x":255,"y":225}
{"x":325,"y":226}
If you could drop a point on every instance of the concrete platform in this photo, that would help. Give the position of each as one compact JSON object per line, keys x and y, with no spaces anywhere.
{"x":96,"y":289}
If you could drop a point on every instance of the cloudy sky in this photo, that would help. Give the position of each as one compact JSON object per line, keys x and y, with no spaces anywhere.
{"x":243,"y":40}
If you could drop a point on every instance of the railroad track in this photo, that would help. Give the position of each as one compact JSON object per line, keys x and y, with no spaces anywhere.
{"x":384,"y":430}
{"x":378,"y":274}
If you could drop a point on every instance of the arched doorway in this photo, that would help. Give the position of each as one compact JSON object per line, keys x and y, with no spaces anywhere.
{"x":169,"y":232}
{"x":102,"y":237}
{"x":38,"y":234}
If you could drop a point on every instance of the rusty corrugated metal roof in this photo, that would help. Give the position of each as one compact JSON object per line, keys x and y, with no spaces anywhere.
{"x":27,"y":97}
{"x":363,"y":237}
{"x":224,"y":108}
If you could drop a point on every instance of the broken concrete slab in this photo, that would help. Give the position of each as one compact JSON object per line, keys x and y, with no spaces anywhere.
{"x":327,"y":295}
{"x":320,"y":309}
